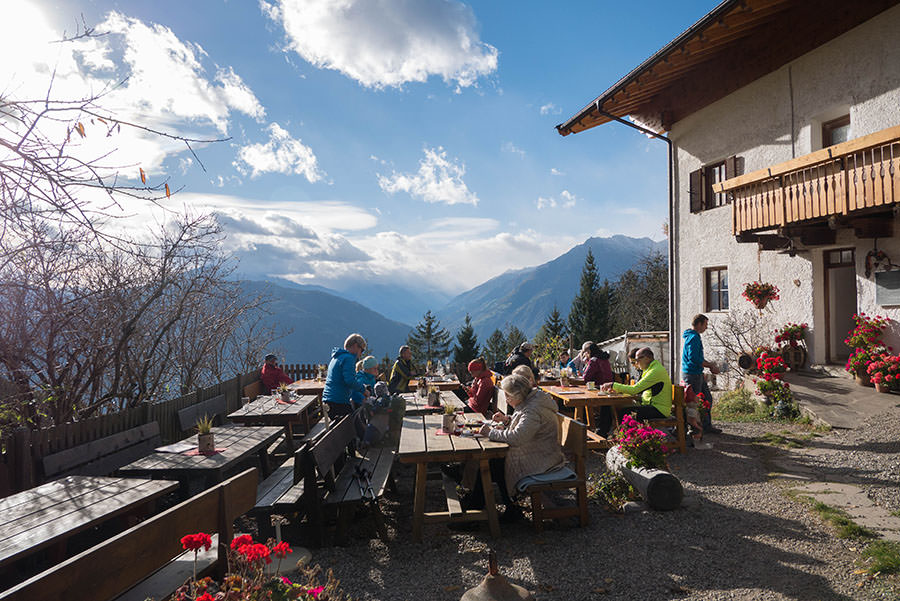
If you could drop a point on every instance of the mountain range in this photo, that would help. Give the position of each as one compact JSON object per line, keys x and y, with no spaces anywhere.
{"x":319,"y":318}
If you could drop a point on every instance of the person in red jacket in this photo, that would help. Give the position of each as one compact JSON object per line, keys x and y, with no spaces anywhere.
{"x":597,"y":368}
{"x":271,"y":375}
{"x":481,"y":391}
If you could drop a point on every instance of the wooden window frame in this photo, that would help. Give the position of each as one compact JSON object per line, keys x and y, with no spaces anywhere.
{"x":700,"y":192}
{"x":829,"y":126}
{"x":707,"y":289}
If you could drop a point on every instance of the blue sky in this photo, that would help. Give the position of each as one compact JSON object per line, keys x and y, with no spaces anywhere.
{"x":396,"y":141}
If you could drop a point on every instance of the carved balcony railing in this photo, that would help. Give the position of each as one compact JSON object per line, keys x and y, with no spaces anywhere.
{"x":840,"y":180}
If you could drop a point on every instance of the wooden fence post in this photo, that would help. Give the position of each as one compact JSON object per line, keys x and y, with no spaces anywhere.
{"x":24,"y":468}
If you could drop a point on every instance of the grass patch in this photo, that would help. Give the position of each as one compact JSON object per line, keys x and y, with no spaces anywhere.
{"x":846,"y":528}
{"x":882,"y":556}
{"x":740,"y":406}
{"x":896,"y":513}
{"x":780,"y":440}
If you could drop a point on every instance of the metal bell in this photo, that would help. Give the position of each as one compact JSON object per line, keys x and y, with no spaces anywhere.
{"x":495,"y":587}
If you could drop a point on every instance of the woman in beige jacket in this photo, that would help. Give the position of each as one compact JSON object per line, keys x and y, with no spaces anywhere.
{"x":532,"y":433}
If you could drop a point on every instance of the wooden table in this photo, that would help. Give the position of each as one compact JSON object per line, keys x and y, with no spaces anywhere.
{"x":239,"y":443}
{"x":51,"y":513}
{"x":304,"y":387}
{"x":439,"y":384}
{"x":584,"y":402}
{"x":420,"y":444}
{"x":416,"y":405}
{"x":269,"y":411}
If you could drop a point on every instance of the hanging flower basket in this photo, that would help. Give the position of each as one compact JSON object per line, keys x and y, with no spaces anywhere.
{"x":760,"y":293}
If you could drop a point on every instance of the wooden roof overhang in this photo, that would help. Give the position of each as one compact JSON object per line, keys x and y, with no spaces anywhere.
{"x":736,"y":43}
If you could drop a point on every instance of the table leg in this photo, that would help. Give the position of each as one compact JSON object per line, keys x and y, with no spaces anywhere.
{"x":419,"y":501}
{"x":289,"y":438}
{"x":489,"y":505}
{"x":589,"y":417}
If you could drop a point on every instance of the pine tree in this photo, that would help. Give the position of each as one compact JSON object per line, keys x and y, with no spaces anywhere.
{"x":514,"y":337}
{"x":495,"y":349}
{"x":640,"y":297}
{"x":429,"y":341}
{"x":554,"y":327}
{"x":589,"y":317}
{"x":466,"y":347}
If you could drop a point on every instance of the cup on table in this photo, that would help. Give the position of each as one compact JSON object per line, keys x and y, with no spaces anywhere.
{"x":592,"y":386}
{"x":244,"y":400}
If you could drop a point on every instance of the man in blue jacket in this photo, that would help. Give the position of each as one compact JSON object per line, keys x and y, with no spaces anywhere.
{"x":692,"y":364}
{"x":341,"y":380}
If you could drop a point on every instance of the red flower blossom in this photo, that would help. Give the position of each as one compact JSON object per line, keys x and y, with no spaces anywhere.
{"x":240,"y":541}
{"x":315,"y":592}
{"x":281,"y":550}
{"x":206,"y":597}
{"x":193,"y":542}
{"x":256,"y":552}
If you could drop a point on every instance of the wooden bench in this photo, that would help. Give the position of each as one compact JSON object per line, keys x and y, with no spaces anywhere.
{"x":283,"y":492}
{"x":214,"y":408}
{"x":676,"y":420}
{"x":104,"y":455}
{"x":335,"y":471}
{"x":573,"y":437}
{"x":253,"y":390}
{"x":121,"y":564}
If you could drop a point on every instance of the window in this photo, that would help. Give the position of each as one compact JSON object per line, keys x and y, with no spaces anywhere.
{"x":702,"y":194}
{"x":716,"y":288}
{"x":840,"y":258}
{"x":835,"y":131}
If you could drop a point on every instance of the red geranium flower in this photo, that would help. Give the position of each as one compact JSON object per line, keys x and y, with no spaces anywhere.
{"x":240,"y":541}
{"x":281,"y":550}
{"x":193,"y":542}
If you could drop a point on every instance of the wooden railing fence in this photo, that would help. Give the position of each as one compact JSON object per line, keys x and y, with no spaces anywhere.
{"x":22,"y":453}
{"x":301,"y":371}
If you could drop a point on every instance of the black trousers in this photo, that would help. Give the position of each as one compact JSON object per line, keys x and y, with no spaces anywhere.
{"x":498,"y":475}
{"x":639,"y":413}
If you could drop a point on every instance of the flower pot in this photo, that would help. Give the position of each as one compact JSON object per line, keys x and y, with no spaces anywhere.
{"x":434,"y":399}
{"x":760,"y":303}
{"x":862,"y":379}
{"x":286,"y":396}
{"x":563,"y":382}
{"x":794,"y":357}
{"x":448,"y":422}
{"x":881,"y":387}
{"x":206,"y":443}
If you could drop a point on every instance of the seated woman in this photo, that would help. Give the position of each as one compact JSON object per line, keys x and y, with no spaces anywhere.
{"x":481,"y":391}
{"x":598,"y":371}
{"x":532,"y":435}
{"x":525,"y":372}
{"x":655,"y":388}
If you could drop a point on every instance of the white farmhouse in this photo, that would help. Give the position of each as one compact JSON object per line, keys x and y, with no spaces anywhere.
{"x":783,"y":122}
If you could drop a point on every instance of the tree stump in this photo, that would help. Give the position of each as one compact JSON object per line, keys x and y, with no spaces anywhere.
{"x":659,"y":488}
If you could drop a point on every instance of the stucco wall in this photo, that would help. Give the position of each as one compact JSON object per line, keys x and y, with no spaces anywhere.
{"x":772,"y":120}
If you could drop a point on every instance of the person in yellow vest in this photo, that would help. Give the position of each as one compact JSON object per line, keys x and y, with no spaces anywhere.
{"x":402,"y":371}
{"x":655,"y":388}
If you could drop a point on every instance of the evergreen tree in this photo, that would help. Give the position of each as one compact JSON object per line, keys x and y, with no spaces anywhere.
{"x":514,"y":337}
{"x":640,"y":297}
{"x":555,"y":326}
{"x":466,"y":347}
{"x":585,"y":321}
{"x":495,"y":348}
{"x":429,"y":341}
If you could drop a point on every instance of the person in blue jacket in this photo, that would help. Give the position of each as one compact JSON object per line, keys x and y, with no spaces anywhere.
{"x":341,"y":380}
{"x":692,"y":364}
{"x":366,"y":370}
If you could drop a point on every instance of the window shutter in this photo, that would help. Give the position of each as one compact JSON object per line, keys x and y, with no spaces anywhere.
{"x":696,"y":191}
{"x":731,"y":167}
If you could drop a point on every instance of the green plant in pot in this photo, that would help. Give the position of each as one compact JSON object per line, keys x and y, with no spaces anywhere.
{"x":448,"y":420}
{"x":284,"y":392}
{"x":205,"y":438}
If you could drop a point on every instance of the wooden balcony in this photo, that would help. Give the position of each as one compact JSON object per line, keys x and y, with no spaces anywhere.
{"x":847,"y":179}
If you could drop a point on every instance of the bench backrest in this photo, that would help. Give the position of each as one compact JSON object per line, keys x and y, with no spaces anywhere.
{"x":112,"y":567}
{"x":573,"y":436}
{"x":332,"y":445}
{"x":253,"y":390}
{"x":214,"y":408}
{"x":104,"y":455}
{"x":502,"y":405}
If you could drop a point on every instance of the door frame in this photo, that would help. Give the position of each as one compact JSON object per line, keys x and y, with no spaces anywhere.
{"x":827,"y":267}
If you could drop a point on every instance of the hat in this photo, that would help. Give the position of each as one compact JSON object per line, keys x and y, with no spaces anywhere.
{"x":476,"y":365}
{"x":369,"y":362}
{"x":402,"y":348}
{"x":526,"y":346}
{"x":271,"y":356}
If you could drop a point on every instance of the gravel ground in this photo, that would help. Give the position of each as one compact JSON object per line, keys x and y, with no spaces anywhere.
{"x":736,"y":537}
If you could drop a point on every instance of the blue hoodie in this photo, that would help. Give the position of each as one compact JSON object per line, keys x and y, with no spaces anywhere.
{"x":341,"y":380}
{"x":692,"y":352}
{"x":366,"y":379}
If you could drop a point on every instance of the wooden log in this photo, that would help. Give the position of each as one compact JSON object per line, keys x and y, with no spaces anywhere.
{"x":659,"y":488}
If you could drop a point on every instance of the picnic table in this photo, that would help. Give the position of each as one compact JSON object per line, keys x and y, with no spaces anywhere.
{"x":272,"y":411}
{"x":421,"y":444}
{"x":416,"y":405}
{"x":304,"y":387}
{"x":50,"y":514}
{"x":440,"y":384}
{"x":584,"y":402}
{"x":177,"y":461}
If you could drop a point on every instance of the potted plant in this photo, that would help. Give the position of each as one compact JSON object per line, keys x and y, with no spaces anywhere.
{"x":791,"y":339}
{"x":760,"y":293}
{"x":284,"y":392}
{"x":205,"y":438}
{"x":434,"y":397}
{"x":448,"y":419}
{"x":884,"y":372}
{"x":770,"y":367}
{"x":564,"y":374}
{"x":422,"y":387}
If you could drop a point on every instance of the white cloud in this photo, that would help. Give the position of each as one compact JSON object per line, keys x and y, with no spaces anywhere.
{"x":387,"y":43}
{"x":144,"y":74}
{"x":438,"y":179}
{"x":566,"y":200}
{"x":281,"y":154}
{"x":512,"y":148}
{"x":555,"y":171}
{"x":550,"y":109}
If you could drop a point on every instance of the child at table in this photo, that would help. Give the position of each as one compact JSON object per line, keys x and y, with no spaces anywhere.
{"x":366,"y":371}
